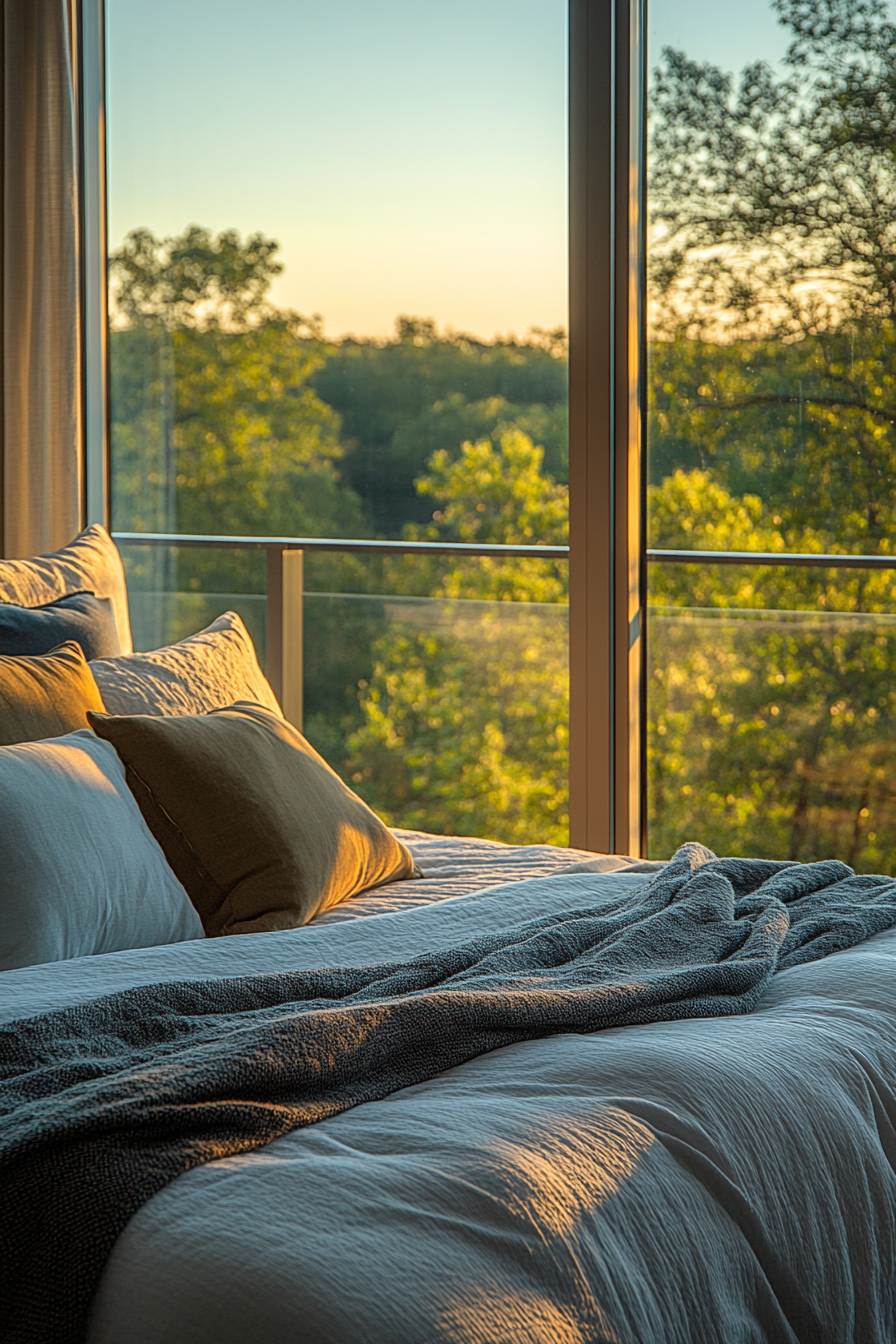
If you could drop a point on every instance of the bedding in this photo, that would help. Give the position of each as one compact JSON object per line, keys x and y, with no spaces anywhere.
{"x":628,"y":1185}
{"x":81,"y":617}
{"x":80,"y":873}
{"x":208,"y":670}
{"x":45,"y":696}
{"x":91,"y":563}
{"x":259,"y":829}
{"x":460,"y":865}
{"x":452,"y":866}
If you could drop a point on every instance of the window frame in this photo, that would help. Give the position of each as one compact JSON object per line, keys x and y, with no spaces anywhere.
{"x":88,"y":18}
{"x":607,"y":357}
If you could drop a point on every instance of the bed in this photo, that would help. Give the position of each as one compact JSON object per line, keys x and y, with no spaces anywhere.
{"x":724,"y":1180}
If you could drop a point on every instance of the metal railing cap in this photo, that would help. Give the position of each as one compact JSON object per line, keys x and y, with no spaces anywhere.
{"x":352,"y":545}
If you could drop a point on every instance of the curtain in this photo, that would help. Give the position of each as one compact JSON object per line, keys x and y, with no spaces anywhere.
{"x":41,"y":423}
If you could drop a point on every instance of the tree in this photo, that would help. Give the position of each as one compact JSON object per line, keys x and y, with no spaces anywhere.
{"x":777,"y":196}
{"x":774,"y":202}
{"x":212,"y":406}
{"x":401,"y":400}
{"x":772,"y":412}
{"x":772,"y":701}
{"x":465,"y":715}
{"x":194,"y":280}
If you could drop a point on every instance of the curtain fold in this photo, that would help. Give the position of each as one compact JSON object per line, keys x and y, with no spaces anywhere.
{"x":41,"y":452}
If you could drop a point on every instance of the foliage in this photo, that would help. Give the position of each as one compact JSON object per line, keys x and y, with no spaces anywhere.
{"x":772,"y":412}
{"x":772,"y":705}
{"x":252,"y":449}
{"x":774,"y":212}
{"x":808,"y":426}
{"x":773,"y":198}
{"x":193,"y":280}
{"x":212,"y":405}
{"x":465,"y":714}
{"x":496,"y":493}
{"x":403,"y":399}
{"x":465,"y":732}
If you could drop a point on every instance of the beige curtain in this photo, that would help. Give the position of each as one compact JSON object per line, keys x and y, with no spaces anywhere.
{"x":41,"y":448}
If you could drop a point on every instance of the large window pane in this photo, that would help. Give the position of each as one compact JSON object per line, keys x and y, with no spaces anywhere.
{"x":771,"y":427}
{"x":338,"y":309}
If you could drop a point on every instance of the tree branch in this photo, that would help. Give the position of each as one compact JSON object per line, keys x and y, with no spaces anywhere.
{"x":760,"y":398}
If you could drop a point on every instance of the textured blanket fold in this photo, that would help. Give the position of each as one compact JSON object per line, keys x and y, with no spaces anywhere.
{"x":104,"y":1104}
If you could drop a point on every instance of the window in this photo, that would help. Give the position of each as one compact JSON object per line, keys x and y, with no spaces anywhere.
{"x":729,"y":376}
{"x":770,"y":430}
{"x":338,"y":310}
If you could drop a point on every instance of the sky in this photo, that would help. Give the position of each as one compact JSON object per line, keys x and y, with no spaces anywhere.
{"x":408,"y":155}
{"x":729,"y":35}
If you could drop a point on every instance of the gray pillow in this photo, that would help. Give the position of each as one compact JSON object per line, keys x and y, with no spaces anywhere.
{"x":79,"y":870}
{"x":80,"y":617}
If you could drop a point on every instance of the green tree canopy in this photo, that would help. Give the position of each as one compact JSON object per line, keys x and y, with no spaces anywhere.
{"x":402,"y":399}
{"x":464,"y":726}
{"x":192,"y":280}
{"x":215,"y":424}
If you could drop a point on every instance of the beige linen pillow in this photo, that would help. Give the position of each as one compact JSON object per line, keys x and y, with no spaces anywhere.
{"x":45,"y":696}
{"x":209,"y":670}
{"x":89,"y":564}
{"x":258,"y":828}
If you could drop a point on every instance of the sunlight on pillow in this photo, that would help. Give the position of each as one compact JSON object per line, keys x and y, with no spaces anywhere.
{"x":90,"y":564}
{"x":261,"y":832}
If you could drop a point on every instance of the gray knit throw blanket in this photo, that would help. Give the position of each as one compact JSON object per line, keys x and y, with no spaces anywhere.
{"x":103,"y":1104}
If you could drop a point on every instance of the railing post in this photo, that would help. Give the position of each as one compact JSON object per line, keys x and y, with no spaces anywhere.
{"x":293,"y":618}
{"x":283,"y":637}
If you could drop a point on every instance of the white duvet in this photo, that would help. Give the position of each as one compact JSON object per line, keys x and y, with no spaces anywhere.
{"x":729,"y":1180}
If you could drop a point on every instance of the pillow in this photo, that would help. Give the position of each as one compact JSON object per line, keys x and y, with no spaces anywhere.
{"x":259,"y":829}
{"x":86,"y":619}
{"x":210,"y":670}
{"x":81,"y":872}
{"x":90,"y":564}
{"x":47,"y":696}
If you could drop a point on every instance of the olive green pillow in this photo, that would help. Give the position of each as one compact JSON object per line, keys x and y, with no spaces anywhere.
{"x":259,"y":830}
{"x":46,"y":696}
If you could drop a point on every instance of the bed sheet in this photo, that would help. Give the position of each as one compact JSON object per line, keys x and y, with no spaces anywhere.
{"x":456,"y":865}
{"x":725,"y":1180}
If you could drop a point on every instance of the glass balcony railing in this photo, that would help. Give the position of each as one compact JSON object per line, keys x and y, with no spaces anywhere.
{"x":772,"y":712}
{"x":770,"y":682}
{"x":446,"y":710}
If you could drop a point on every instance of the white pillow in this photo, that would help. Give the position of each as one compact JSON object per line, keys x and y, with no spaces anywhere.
{"x":211,"y":670}
{"x":80,"y":871}
{"x":89,"y":564}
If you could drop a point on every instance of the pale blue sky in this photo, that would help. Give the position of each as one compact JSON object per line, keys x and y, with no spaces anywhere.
{"x":409,"y":155}
{"x":728,"y":34}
